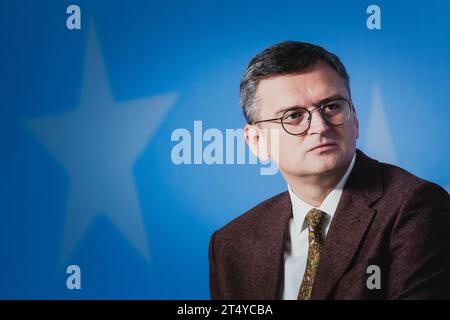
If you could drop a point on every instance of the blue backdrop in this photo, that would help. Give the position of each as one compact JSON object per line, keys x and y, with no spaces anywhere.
{"x":87,"y":176}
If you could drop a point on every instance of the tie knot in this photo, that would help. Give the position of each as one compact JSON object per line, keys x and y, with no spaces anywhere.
{"x":314,"y":218}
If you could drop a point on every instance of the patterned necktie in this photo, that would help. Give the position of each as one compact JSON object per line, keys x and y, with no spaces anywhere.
{"x":314,"y":219}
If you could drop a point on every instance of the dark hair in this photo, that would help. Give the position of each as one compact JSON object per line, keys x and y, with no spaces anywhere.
{"x":289,"y":57}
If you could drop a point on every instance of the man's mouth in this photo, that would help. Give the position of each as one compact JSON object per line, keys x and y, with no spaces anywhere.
{"x":323,"y":147}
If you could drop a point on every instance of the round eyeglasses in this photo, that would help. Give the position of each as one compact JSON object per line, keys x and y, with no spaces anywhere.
{"x":297,"y":120}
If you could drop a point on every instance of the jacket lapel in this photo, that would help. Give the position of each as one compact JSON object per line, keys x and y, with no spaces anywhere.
{"x":351,"y":220}
{"x":268,"y":258}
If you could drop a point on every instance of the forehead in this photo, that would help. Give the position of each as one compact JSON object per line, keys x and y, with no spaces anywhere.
{"x":303,"y":89}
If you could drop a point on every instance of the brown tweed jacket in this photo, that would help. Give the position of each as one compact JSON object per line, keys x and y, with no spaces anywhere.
{"x":385,"y":217}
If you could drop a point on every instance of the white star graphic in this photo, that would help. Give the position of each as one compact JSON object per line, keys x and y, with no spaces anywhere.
{"x":379,"y":141}
{"x":98,"y":145}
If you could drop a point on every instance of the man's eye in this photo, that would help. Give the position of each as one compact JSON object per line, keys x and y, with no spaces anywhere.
{"x":332,"y":107}
{"x":295,"y":115}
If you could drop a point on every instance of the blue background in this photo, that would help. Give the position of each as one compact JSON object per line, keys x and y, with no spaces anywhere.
{"x":198,"y":50}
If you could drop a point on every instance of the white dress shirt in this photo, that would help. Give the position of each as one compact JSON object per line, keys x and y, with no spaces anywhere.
{"x":296,"y":248}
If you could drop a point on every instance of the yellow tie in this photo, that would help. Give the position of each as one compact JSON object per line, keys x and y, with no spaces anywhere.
{"x":314,"y":219}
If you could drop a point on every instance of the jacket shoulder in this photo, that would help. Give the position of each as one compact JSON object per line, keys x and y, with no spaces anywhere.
{"x":392,"y":179}
{"x":249,"y":221}
{"x":397,"y":180}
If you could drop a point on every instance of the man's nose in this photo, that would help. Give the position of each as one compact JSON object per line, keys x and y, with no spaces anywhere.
{"x":318,"y":123}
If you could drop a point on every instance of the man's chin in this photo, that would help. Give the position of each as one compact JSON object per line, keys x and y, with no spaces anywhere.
{"x":323,"y":167}
{"x":320,"y":165}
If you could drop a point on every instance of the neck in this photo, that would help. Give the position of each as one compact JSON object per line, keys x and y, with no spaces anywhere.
{"x":314,"y":189}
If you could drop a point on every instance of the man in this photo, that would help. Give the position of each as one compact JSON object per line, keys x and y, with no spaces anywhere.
{"x":348,"y":227}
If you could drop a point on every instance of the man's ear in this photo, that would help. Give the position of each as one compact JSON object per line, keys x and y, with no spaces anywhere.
{"x":257,"y":142}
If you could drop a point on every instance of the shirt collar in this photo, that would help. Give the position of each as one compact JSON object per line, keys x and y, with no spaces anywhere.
{"x":300,"y":208}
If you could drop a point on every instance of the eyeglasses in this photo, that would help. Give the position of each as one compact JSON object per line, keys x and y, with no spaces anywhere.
{"x":297,"y":120}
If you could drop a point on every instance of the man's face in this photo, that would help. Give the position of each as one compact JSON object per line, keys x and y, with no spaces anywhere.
{"x":294,"y":156}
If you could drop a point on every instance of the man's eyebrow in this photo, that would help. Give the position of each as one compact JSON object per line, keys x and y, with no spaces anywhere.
{"x":319,"y":103}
